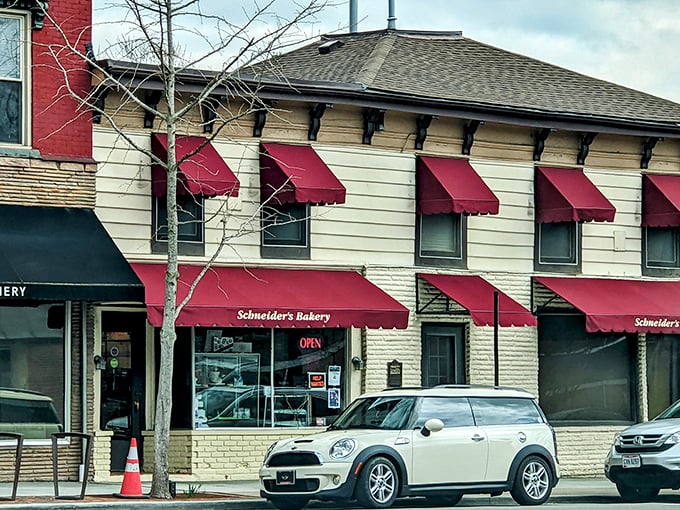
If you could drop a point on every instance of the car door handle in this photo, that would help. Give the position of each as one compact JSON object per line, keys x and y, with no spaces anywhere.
{"x":477,"y":438}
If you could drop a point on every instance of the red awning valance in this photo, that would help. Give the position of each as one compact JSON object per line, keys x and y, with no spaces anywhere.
{"x":634,"y":306}
{"x":257,"y":297}
{"x":476,"y":295}
{"x":447,"y":185}
{"x":203,"y":173}
{"x":660,"y":200}
{"x":566,"y":194}
{"x":296,"y":174}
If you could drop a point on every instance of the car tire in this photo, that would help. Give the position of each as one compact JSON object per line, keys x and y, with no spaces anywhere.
{"x":636,"y":494}
{"x":289,"y":502}
{"x":443,"y":501}
{"x":378,"y":483}
{"x":533,"y":482}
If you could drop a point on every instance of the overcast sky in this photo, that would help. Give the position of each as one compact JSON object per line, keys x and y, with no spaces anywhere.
{"x":635,"y":43}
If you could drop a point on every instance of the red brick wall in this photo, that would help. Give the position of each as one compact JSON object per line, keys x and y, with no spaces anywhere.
{"x":60,"y":129}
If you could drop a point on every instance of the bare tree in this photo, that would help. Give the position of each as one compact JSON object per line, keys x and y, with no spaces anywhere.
{"x":156,"y":32}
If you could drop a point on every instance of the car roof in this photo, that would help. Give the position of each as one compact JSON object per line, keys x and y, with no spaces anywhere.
{"x":19,"y":394}
{"x":455,"y":390}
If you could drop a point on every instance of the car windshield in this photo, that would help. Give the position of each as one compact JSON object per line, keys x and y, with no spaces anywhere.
{"x":671,"y":412}
{"x":388,"y":412}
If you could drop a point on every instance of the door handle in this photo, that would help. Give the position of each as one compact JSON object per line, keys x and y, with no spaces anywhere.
{"x":136,"y":404}
{"x":477,"y":438}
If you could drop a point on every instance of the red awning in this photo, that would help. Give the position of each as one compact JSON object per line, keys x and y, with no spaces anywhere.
{"x":256,"y":297}
{"x":447,"y":185}
{"x":660,"y":200}
{"x":566,"y":194}
{"x":634,"y":306}
{"x":476,"y":295}
{"x":296,"y":174}
{"x":204,"y":173}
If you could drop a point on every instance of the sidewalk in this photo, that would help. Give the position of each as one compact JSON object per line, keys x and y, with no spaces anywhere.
{"x":242,"y":495}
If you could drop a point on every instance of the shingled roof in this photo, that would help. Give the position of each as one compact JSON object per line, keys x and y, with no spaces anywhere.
{"x":447,"y":68}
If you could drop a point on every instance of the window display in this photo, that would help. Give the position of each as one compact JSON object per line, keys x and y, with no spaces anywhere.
{"x":237,"y":385}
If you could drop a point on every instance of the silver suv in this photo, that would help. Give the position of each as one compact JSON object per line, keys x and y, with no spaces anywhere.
{"x":646,"y":457}
{"x":439,"y":443}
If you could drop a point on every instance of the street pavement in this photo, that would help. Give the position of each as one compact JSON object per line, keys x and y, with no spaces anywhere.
{"x":245,"y":495}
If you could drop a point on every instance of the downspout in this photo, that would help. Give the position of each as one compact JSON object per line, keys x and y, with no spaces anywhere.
{"x":83,"y":385}
{"x":391,"y":18}
{"x":353,"y":16}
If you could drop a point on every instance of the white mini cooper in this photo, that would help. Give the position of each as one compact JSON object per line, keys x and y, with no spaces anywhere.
{"x":439,"y":443}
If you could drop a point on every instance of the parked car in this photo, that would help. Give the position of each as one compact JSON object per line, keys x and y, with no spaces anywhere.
{"x":29,"y":413}
{"x":439,"y":443}
{"x":645,"y":457}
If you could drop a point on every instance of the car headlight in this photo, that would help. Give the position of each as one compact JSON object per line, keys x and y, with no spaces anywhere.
{"x":617,"y":439}
{"x":342,"y":448}
{"x":270,"y":449}
{"x":673,"y":438}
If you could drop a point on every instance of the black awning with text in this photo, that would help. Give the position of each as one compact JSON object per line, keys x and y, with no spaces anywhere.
{"x":61,"y":253}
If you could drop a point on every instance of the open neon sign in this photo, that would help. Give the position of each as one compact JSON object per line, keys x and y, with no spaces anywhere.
{"x":311,"y":342}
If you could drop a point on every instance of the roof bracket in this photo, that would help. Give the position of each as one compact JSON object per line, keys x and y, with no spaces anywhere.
{"x":315,"y":114}
{"x":647,"y":147}
{"x":584,"y":141}
{"x":374,"y":120}
{"x":540,"y":136}
{"x":209,"y":112}
{"x":151,"y":100}
{"x":99,"y":101}
{"x":469,"y":130}
{"x":422,"y":124}
{"x":261,"y":112}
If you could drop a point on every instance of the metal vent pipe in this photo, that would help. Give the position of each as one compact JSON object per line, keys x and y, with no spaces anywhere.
{"x":391,"y":18}
{"x":353,"y":16}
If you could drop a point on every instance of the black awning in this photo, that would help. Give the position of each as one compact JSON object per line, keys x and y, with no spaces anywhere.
{"x":63,"y":254}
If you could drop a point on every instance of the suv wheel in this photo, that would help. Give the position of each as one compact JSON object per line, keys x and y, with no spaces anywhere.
{"x":533,"y":482}
{"x":636,"y":494}
{"x":378,"y":483}
{"x":289,"y":503}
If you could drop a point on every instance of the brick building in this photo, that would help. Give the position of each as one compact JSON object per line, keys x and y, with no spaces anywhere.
{"x":397,"y":180}
{"x":57,"y":259}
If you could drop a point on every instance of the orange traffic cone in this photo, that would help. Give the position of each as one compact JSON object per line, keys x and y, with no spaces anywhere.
{"x":132,"y":483}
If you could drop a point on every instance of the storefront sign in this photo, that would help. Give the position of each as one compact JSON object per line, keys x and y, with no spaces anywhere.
{"x":310,"y":342}
{"x":394,"y":370}
{"x":317,"y":380}
{"x":275,"y":315}
{"x":644,"y":322}
{"x":12,"y":291}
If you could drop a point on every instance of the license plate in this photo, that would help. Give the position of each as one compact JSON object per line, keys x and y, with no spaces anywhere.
{"x":630,"y":461}
{"x":285,"y":478}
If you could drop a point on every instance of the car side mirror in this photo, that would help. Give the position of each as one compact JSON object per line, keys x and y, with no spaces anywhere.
{"x":432,"y":425}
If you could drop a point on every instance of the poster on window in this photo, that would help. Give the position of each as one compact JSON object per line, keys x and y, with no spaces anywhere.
{"x":334,"y":375}
{"x":334,"y":398}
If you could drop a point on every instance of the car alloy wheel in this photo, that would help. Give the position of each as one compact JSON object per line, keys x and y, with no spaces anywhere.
{"x":533,"y":483}
{"x":378,"y":483}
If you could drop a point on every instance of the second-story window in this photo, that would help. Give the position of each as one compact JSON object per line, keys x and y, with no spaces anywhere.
{"x":441,"y":239}
{"x":285,"y":231}
{"x":189,"y":227}
{"x":565,"y":198}
{"x":660,"y":225}
{"x":447,"y":191}
{"x":558,"y":244}
{"x":12,"y":77}
{"x":661,"y":249}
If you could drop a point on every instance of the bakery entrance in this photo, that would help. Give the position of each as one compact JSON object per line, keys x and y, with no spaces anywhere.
{"x":122,"y":364}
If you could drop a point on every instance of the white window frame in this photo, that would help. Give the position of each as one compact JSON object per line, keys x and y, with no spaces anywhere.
{"x":24,"y":75}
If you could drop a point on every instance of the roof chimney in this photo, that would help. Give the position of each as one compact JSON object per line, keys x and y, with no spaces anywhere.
{"x":391,"y":18}
{"x":353,"y":5}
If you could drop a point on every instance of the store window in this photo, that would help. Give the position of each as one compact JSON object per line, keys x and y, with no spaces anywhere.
{"x":268,"y":378}
{"x":661,"y":251}
{"x":32,"y":361}
{"x":285,"y":231}
{"x":558,"y":247}
{"x":584,"y":377}
{"x":663,"y":372}
{"x":12,"y":80}
{"x":441,"y":240}
{"x":190,"y":219}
